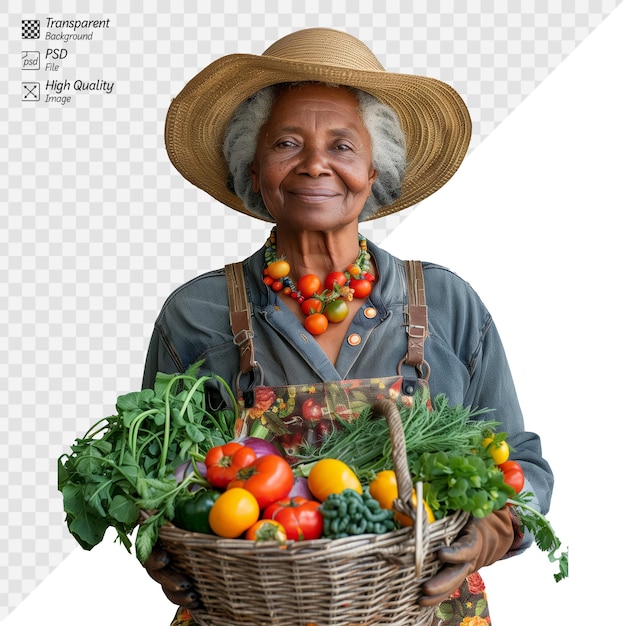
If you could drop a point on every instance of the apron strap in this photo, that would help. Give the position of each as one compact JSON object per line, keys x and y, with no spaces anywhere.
{"x":240,"y":316}
{"x":417,"y":317}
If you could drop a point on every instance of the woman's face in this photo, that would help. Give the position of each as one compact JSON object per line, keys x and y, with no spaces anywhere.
{"x":313,"y":163}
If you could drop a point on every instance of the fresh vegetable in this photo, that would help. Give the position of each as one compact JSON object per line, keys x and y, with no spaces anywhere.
{"x":278,"y":269}
{"x":384,"y":489}
{"x":126,"y":462}
{"x":455,"y":482}
{"x":316,"y":324}
{"x":223,"y":463}
{"x":362,"y":287}
{"x":364,"y":443}
{"x":498,"y":448}
{"x":337,"y":310}
{"x":308,"y":285}
{"x":312,"y":305}
{"x":330,"y":476}
{"x":260,"y":446}
{"x":193,"y":513}
{"x":354,"y":513}
{"x":513,"y":475}
{"x":301,"y":518}
{"x":269,"y":478}
{"x":335,"y":278}
{"x":301,"y":488}
{"x":266,"y":530}
{"x":543,"y":533}
{"x":233,"y":513}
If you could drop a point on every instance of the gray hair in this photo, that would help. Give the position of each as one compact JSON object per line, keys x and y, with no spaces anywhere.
{"x":380,"y":120}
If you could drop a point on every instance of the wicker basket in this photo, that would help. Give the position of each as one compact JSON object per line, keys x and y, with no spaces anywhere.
{"x":358,"y":580}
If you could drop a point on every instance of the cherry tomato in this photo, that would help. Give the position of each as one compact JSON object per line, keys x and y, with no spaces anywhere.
{"x":309,"y":284}
{"x":278,"y":269}
{"x":300,"y":517}
{"x":267,"y":530}
{"x":233,"y":513}
{"x":332,"y":476}
{"x":337,"y":310}
{"x":316,"y":324}
{"x":268,"y":479}
{"x":223,"y":462}
{"x":499,"y":451}
{"x":362,"y":288}
{"x":513,"y":475}
{"x":334,"y":277}
{"x":311,"y":305}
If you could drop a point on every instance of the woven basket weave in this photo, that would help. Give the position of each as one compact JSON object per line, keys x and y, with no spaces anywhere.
{"x":360,"y":580}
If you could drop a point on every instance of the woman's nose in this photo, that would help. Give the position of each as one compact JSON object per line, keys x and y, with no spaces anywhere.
{"x":314,"y":162}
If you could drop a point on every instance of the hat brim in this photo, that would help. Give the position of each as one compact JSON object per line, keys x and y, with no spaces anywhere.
{"x":433,"y":116}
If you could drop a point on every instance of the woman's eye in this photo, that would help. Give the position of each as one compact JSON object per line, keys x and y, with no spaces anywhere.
{"x":342,"y":147}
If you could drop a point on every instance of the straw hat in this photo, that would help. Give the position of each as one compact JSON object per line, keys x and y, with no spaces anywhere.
{"x":434,"y":118}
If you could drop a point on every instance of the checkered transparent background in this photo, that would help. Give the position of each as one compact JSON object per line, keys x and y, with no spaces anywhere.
{"x":98,"y":228}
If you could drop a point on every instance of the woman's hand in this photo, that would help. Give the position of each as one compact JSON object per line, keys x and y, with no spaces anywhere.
{"x":481,"y":542}
{"x":176,"y":587}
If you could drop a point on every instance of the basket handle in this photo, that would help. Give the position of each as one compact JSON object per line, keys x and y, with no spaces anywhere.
{"x":404,"y":504}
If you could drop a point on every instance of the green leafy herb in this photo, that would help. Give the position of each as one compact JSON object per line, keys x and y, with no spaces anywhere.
{"x":364,"y":443}
{"x":545,"y":537}
{"x":126,"y":463}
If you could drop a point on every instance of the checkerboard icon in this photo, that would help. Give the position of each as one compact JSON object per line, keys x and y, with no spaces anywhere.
{"x":30,"y":29}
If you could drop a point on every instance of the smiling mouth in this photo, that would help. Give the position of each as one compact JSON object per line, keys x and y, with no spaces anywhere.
{"x":313,"y":195}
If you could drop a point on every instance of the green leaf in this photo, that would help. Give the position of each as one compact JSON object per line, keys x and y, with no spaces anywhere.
{"x":124,"y":510}
{"x":194,"y":433}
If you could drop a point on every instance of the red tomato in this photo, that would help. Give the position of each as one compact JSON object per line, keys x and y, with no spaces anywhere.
{"x":311,"y":410}
{"x":300,"y":517}
{"x":316,"y":324}
{"x":362,"y":288}
{"x":309,"y":284}
{"x":268,"y":479}
{"x":513,"y":475}
{"x":223,"y":462}
{"x":311,"y":305}
{"x":334,"y":277}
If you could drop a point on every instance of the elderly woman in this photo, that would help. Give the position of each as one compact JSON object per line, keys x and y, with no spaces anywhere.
{"x":315,"y":136}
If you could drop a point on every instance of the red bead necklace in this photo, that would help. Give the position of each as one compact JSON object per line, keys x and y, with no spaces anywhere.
{"x":321,"y":302}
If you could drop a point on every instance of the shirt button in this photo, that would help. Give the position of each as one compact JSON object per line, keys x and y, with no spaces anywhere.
{"x":370,"y":312}
{"x":354,"y":339}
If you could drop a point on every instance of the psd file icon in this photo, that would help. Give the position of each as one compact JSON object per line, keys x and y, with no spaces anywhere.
{"x":31,"y":60}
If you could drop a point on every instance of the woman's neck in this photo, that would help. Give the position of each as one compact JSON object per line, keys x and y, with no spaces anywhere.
{"x":315,"y":252}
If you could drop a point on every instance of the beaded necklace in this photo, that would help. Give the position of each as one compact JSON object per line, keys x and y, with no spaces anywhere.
{"x":321,"y":302}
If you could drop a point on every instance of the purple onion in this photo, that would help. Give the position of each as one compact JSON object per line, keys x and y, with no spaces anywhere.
{"x":301,"y":488}
{"x":260,"y":446}
{"x":184,"y":470}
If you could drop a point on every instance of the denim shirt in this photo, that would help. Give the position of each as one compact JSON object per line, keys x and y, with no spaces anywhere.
{"x":463,"y":349}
